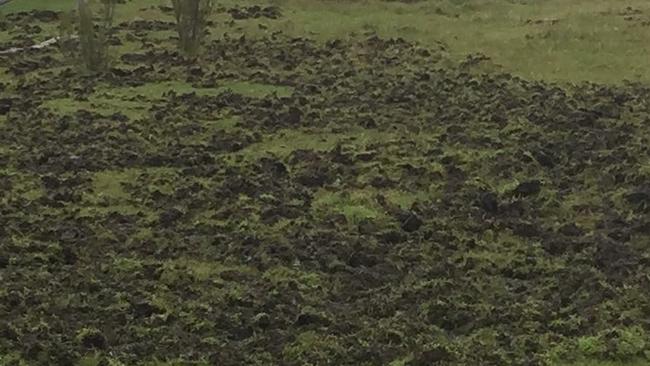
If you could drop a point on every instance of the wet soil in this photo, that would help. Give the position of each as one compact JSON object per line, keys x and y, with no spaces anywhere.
{"x":386,"y":210}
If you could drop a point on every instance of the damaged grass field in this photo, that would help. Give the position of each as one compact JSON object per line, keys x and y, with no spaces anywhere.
{"x":293,"y":182}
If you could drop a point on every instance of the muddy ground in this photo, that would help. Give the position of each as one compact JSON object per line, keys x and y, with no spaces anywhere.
{"x":293,"y":202}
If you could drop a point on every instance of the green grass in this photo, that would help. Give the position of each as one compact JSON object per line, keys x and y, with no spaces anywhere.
{"x":27,"y":5}
{"x":589,"y":39}
{"x":109,"y":100}
{"x":606,"y":363}
{"x":108,"y":193}
{"x":200,"y":270}
{"x":286,"y":141}
{"x":105,"y":104}
{"x":354,"y":205}
{"x":156,"y":90}
{"x":96,"y":359}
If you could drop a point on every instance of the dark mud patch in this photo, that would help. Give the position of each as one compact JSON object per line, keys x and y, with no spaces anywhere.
{"x":45,"y":16}
{"x":253,"y":12}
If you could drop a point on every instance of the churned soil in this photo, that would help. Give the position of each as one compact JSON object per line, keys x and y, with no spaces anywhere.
{"x":386,"y":208}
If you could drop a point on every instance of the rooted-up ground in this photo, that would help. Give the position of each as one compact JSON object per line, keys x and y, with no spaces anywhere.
{"x":292,"y":201}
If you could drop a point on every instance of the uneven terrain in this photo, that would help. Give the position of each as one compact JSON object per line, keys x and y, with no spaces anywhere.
{"x":308,"y":199}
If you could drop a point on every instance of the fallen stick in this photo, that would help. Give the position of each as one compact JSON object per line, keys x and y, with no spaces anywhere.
{"x":43,"y":44}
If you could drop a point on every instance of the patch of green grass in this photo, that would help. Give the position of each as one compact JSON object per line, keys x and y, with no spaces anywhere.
{"x":644,"y":168}
{"x":24,"y":185}
{"x":141,"y":8}
{"x":105,"y":105}
{"x":4,"y":78}
{"x":128,"y":100}
{"x":127,"y":265}
{"x":27,"y":5}
{"x":405,"y":199}
{"x":281,"y":275}
{"x":638,"y":362}
{"x":109,"y":183}
{"x":310,"y":343}
{"x":284,"y":142}
{"x":225,"y":123}
{"x":211,"y":126}
{"x":626,"y":346}
{"x":403,"y":361}
{"x":156,"y":90}
{"x":4,"y":37}
{"x":13,"y":359}
{"x":124,"y":209}
{"x":355,"y":205}
{"x":98,"y":358}
{"x":90,"y":360}
{"x":206,"y":217}
{"x":256,"y":90}
{"x":201,"y":270}
{"x":109,"y":195}
{"x":552,"y":40}
{"x":176,"y":363}
{"x":563,"y":41}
